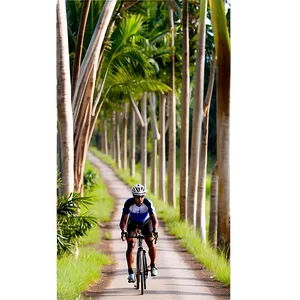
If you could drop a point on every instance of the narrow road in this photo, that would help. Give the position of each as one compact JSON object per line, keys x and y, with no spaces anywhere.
{"x":179,"y":275}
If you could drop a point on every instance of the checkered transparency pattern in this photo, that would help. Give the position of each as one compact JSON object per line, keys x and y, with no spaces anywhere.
{"x":52,"y":147}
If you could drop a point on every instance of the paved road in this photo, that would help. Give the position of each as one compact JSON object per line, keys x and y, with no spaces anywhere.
{"x":176,"y":279}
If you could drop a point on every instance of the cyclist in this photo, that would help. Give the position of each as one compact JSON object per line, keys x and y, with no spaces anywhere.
{"x":139,"y":211}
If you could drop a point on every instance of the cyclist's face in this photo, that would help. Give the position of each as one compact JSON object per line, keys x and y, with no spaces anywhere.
{"x":139,"y":200}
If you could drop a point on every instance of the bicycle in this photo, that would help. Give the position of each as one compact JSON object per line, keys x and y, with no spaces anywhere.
{"x":141,"y":262}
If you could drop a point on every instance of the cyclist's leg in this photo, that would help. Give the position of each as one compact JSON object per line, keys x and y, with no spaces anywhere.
{"x":130,"y":243}
{"x":130,"y":246}
{"x":129,"y":252}
{"x":147,"y":232}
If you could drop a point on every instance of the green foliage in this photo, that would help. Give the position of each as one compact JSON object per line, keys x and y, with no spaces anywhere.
{"x":127,"y":67}
{"x":74,"y":275}
{"x":57,"y":178}
{"x":89,"y":179}
{"x":70,"y":224}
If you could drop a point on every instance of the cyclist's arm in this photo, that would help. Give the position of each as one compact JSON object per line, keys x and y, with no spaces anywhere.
{"x":125,"y":213}
{"x":123,"y":221}
{"x":154,"y":220}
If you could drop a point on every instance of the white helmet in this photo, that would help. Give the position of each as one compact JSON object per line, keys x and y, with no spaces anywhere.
{"x":138,"y":190}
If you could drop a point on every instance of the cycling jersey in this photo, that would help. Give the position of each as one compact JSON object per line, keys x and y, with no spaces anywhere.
{"x":138,"y":213}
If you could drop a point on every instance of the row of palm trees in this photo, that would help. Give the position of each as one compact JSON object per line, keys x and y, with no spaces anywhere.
{"x":113,"y":76}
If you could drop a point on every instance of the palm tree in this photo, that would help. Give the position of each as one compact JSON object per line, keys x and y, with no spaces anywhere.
{"x":172,"y":121}
{"x":104,"y":139}
{"x":64,"y":106}
{"x":133,"y":141}
{"x":124,"y":143}
{"x":84,"y":91}
{"x":115,"y":74}
{"x":157,"y":46}
{"x":185,"y":102}
{"x":144,"y":140}
{"x":155,"y":138}
{"x":197,"y":118}
{"x":118,"y":141}
{"x":79,"y":42}
{"x":162,"y":147}
{"x":200,"y":219}
{"x":222,"y":45}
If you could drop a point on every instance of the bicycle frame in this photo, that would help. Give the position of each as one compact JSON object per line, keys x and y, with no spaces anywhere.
{"x":141,"y":263}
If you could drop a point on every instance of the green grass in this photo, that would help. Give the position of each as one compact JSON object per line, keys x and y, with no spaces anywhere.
{"x":74,"y":275}
{"x":213,"y":261}
{"x":102,"y":207}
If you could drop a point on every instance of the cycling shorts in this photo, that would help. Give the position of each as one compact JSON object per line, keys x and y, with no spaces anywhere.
{"x":146,"y":227}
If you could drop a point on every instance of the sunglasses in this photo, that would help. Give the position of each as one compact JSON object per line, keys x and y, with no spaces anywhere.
{"x":138,"y":197}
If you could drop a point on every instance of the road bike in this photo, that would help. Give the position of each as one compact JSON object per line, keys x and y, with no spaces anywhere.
{"x":141,"y":262}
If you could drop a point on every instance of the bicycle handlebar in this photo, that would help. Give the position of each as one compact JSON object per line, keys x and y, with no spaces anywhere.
{"x":138,"y":235}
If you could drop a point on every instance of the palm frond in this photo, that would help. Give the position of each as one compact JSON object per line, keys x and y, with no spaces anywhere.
{"x":129,"y":85}
{"x":68,"y":205}
{"x":125,"y":30}
{"x":159,"y":36}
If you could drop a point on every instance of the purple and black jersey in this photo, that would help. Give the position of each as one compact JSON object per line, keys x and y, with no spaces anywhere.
{"x":138,"y":213}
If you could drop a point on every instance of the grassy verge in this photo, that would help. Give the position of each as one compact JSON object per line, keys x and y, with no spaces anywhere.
{"x":75,"y":275}
{"x":207,"y":256}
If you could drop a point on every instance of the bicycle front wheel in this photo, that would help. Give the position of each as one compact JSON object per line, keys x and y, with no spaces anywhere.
{"x":141,"y":271}
{"x":145,"y":273}
{"x":137,"y":276}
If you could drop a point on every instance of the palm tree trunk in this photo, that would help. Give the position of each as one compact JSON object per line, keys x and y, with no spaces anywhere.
{"x":144,"y":140}
{"x":92,"y":52}
{"x":64,"y":106}
{"x":79,"y":122}
{"x":104,"y":137}
{"x":185,"y":101}
{"x":82,"y":129}
{"x":213,"y":215}
{"x":113,"y":136}
{"x":124,"y":137}
{"x":79,"y":93}
{"x":110,"y":146}
{"x":136,"y":109}
{"x":154,"y":128}
{"x":197,"y":118}
{"x":81,"y":150}
{"x":224,"y":185}
{"x":172,"y":122}
{"x":118,"y":150}
{"x":162,"y":147}
{"x":222,"y":45}
{"x":153,"y":186}
{"x":133,"y":141}
{"x":155,"y":137}
{"x":79,"y":43}
{"x":201,"y":221}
